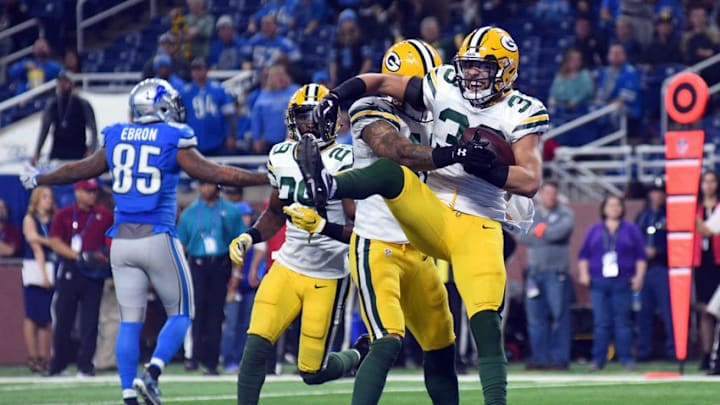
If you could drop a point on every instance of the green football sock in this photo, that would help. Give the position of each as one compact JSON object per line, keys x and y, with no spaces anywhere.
{"x":252,"y":369}
{"x":492,"y":363}
{"x":440,"y":377}
{"x":337,"y":365}
{"x":383,"y":177}
{"x":371,"y":376}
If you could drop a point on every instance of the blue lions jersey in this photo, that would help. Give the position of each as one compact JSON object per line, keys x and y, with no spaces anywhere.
{"x":143,"y":161}
{"x":206,"y":108}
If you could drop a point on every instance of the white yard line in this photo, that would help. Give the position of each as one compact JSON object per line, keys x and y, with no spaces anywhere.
{"x":347,"y":391}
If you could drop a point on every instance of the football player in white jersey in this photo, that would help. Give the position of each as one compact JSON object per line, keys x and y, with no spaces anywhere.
{"x":399,"y":286}
{"x":309,"y":275}
{"x":457,"y":216}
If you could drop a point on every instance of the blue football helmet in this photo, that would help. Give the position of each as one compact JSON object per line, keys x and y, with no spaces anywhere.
{"x":156,"y":100}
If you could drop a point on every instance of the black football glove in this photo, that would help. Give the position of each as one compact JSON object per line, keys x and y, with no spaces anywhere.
{"x":325,"y":114}
{"x":474,"y":156}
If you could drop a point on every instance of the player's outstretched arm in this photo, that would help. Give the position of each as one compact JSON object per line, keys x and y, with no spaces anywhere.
{"x":89,"y":167}
{"x":310,"y":221}
{"x":524,"y":177}
{"x":197,"y":166}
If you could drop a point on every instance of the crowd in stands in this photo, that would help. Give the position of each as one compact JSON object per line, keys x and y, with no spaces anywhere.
{"x":626,"y":50}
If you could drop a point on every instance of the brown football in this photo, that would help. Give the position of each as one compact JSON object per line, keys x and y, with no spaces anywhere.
{"x":495,"y":142}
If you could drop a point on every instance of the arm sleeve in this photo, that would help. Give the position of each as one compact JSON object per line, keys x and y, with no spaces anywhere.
{"x":366,"y":111}
{"x":414,"y":94}
{"x":638,"y":242}
{"x":228,"y":103}
{"x":255,"y":122}
{"x":292,"y":51}
{"x":186,"y":138}
{"x":56,"y":227}
{"x":533,"y":120}
{"x":585,"y":251}
{"x":45,"y":126}
{"x":91,"y":124}
{"x":17,"y":69}
{"x":272,"y":177}
{"x":560,"y":230}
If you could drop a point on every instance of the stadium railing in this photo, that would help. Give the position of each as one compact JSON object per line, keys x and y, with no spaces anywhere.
{"x":596,"y":168}
{"x":697,"y":68}
{"x":82,"y":22}
{"x":6,"y":60}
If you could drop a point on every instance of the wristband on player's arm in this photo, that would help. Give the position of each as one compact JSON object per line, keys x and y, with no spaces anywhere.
{"x":497,"y":176}
{"x":255,"y":235}
{"x":350,"y":89}
{"x":333,"y":231}
{"x":443,"y":156}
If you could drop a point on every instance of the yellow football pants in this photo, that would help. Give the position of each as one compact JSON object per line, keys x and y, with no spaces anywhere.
{"x":283,"y":293}
{"x":472,"y":244}
{"x":399,"y":286}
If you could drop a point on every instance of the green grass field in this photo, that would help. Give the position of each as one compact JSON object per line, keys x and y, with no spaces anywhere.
{"x":574,"y":387}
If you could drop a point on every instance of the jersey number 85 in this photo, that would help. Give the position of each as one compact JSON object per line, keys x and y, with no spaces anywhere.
{"x":131,"y":168}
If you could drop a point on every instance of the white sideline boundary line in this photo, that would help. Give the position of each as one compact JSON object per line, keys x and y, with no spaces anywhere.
{"x":512,"y":378}
{"x":347,"y":391}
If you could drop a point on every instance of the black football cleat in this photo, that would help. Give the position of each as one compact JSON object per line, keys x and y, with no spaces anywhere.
{"x":362,"y":345}
{"x":148,"y":388}
{"x":318,"y":180}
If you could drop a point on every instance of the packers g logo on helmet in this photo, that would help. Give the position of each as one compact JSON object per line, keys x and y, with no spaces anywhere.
{"x":299,"y":113}
{"x":392,"y":62}
{"x":489,"y":48}
{"x":412,"y":57}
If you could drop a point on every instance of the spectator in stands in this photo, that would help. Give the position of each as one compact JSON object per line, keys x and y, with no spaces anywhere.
{"x":71,"y":61}
{"x":33,"y":71}
{"x":169,"y":45}
{"x":226,"y":52}
{"x":639,"y":15}
{"x":665,"y":48}
{"x":266,"y":126}
{"x":38,"y":278}
{"x":266,"y":47}
{"x":350,"y":54}
{"x":198,"y":29}
{"x":10,"y":239}
{"x":211,"y":112}
{"x":572,"y":88}
{"x":701,"y":42}
{"x":591,"y":44}
{"x":625,"y":35}
{"x":550,"y":11}
{"x":706,"y":260}
{"x":77,"y":235}
{"x":12,"y":13}
{"x":321,"y":77}
{"x":372,"y":16}
{"x":548,"y":283}
{"x":655,"y":294}
{"x":206,"y":228}
{"x":619,"y":83}
{"x":430,"y":33}
{"x":162,"y":65}
{"x":70,"y":116}
{"x":612,"y":263}
{"x":280,"y":9}
{"x":306,"y":15}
